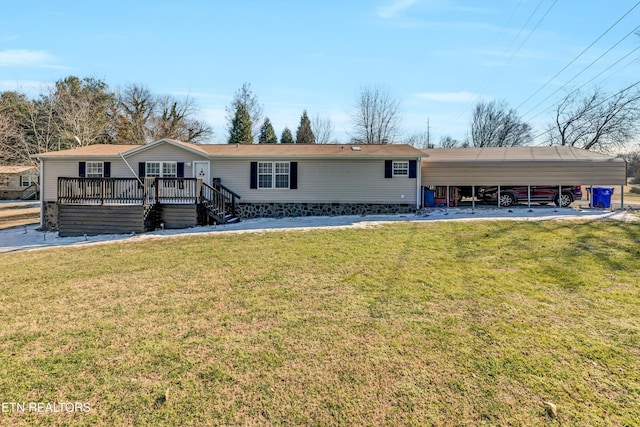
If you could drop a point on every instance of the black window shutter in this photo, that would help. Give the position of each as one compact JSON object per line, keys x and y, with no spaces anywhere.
{"x":180,"y":169}
{"x":107,"y":169}
{"x":413,"y":169}
{"x":254,"y":175}
{"x":82,"y":169}
{"x":141,"y":169}
{"x":293,"y":175}
{"x":388,"y":168}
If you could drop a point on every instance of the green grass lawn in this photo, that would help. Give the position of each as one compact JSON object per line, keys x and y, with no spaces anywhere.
{"x":438,"y":323}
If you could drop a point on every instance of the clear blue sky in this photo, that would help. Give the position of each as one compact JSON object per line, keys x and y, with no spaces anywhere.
{"x":436,"y":57}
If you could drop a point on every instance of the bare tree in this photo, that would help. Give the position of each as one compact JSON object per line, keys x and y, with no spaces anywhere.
{"x":419,"y":140}
{"x":322,"y":129}
{"x":136,"y":106}
{"x":143,"y":117}
{"x":494,"y":125}
{"x":82,"y":110}
{"x":449,"y":142}
{"x":376,"y":120}
{"x":597,"y":121}
{"x":244,"y":97}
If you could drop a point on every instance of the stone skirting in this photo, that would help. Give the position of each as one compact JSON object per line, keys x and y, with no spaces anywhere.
{"x":49,"y":216}
{"x":284,"y":210}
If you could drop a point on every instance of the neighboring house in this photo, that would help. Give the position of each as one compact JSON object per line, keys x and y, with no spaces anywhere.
{"x":19,"y":182}
{"x":167,"y":183}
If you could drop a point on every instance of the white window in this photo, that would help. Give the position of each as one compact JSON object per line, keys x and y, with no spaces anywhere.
{"x":282,"y":174}
{"x":273,"y":174}
{"x":153,"y":169}
{"x":265,"y":175}
{"x":401,"y":168}
{"x":161,"y":169}
{"x":169,"y":169}
{"x":95,"y":169}
{"x":26,"y":180}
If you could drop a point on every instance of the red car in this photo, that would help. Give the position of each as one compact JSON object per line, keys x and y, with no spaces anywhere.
{"x":539,"y":194}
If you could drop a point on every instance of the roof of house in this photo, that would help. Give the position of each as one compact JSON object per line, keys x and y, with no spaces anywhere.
{"x":245,"y":150}
{"x":96,"y":150}
{"x":515,"y":154}
{"x":15,"y":169}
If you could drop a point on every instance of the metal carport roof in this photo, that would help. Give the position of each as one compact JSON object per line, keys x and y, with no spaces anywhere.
{"x":557,"y":165}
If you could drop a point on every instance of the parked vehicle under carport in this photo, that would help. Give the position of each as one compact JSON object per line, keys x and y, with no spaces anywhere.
{"x":510,"y":195}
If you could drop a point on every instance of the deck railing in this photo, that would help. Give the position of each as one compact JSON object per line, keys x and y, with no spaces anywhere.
{"x":174,"y":190}
{"x":100,"y":191}
{"x":118,"y":191}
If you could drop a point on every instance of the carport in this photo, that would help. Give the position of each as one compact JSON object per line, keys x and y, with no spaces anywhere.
{"x":521,"y":166}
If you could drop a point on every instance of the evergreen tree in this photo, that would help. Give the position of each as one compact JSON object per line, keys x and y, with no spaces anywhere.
{"x":240,"y":132}
{"x":267,"y":134}
{"x":287,"y":137}
{"x":304,"y":135}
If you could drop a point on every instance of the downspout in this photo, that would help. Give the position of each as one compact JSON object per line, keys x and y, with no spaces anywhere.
{"x":131,"y":169}
{"x":419,"y":184}
{"x":41,"y":194}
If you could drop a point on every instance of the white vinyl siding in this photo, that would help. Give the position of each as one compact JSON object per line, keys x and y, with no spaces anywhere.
{"x":322,"y":181}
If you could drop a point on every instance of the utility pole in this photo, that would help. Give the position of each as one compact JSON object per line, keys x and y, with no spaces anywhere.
{"x":428,"y":134}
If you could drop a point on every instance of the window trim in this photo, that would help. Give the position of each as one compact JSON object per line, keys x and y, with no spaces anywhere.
{"x":400,"y":168}
{"x":161,"y":169}
{"x":26,"y":180}
{"x":93,"y":165}
{"x":275,"y":171}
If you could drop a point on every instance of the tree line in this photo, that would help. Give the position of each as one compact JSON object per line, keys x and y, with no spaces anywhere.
{"x":76,"y":112}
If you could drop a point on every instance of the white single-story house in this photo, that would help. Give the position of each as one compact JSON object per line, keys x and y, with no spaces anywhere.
{"x":19,"y":182}
{"x":172,"y":184}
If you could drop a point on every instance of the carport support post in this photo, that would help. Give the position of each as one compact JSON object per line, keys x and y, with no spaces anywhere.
{"x":498,"y":196}
{"x":529,"y":197}
{"x":622,"y":197}
{"x":591,"y":201}
{"x":473,"y":198}
{"x":446,"y":210}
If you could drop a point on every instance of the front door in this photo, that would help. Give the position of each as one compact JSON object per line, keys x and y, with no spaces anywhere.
{"x":201,"y":171}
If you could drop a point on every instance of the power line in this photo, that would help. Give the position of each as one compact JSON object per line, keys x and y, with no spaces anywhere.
{"x":598,"y":104}
{"x":579,"y":55}
{"x":531,"y":15}
{"x":582,"y":71}
{"x":590,"y":80}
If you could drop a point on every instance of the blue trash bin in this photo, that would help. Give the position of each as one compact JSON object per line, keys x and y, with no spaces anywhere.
{"x":602,"y":197}
{"x":429,"y":198}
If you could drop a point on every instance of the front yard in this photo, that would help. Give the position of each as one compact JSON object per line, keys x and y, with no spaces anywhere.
{"x":440,"y":323}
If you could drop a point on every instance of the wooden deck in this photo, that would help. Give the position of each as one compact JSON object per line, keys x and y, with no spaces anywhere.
{"x":132,"y":205}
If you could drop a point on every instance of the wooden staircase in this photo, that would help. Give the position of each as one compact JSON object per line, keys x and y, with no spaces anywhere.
{"x":219,"y":203}
{"x":31,"y":192}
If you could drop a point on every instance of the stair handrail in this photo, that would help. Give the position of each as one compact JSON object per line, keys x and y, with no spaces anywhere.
{"x":219,"y":200}
{"x":30,"y":191}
